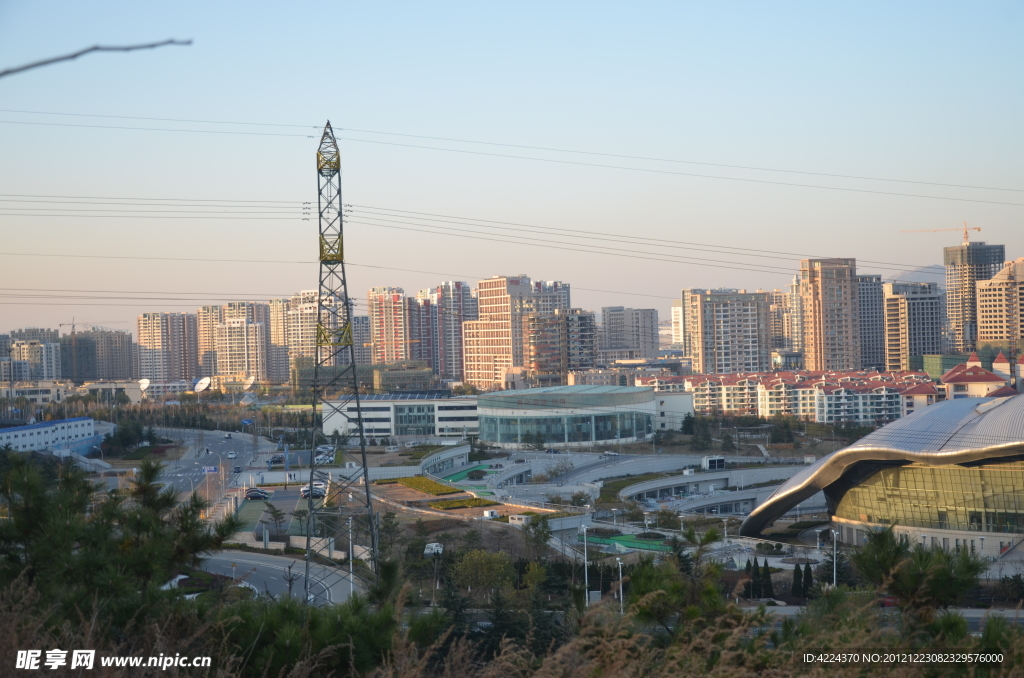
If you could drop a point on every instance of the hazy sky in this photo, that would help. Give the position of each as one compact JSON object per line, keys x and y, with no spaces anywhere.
{"x":922,"y":92}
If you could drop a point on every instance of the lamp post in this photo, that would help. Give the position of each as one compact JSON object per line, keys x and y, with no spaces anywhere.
{"x":835,"y":542}
{"x":621,"y":605}
{"x":586,"y":571}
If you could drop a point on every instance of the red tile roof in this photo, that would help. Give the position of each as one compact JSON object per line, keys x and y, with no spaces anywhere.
{"x":962,"y":374}
{"x":1004,"y":392}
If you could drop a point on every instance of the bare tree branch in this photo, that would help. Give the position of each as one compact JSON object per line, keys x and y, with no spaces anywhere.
{"x":94,"y":48}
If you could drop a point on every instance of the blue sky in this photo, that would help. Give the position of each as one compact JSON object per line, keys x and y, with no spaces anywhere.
{"x":928,"y":92}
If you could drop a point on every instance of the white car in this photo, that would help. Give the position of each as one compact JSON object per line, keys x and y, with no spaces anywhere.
{"x":325,"y":459}
{"x":232,"y":455}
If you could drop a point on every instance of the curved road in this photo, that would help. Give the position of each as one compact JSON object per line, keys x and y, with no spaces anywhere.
{"x":270,"y":574}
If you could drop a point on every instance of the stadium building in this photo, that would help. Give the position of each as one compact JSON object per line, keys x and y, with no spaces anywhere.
{"x":951,"y":475}
{"x":577,"y":416}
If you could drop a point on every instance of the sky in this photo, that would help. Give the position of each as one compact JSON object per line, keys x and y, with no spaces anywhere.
{"x":745,"y":112}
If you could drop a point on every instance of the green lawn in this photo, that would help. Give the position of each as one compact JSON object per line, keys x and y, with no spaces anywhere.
{"x":249,"y":513}
{"x":461,"y":475}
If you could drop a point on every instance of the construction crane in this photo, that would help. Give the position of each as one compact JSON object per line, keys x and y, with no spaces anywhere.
{"x":966,"y":228}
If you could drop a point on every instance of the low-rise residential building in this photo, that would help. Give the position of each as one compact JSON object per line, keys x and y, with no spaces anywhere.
{"x":971,"y":380}
{"x":824,"y":397}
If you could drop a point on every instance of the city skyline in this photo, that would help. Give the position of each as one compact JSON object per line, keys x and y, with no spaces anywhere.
{"x":762,"y":104}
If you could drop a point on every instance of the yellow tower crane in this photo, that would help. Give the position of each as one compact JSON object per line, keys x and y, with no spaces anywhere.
{"x":942,"y":230}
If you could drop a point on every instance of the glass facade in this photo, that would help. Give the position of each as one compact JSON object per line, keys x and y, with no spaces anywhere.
{"x":414,"y":420}
{"x":567,"y":428}
{"x":987,"y":498}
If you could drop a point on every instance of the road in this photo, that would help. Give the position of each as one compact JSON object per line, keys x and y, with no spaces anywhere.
{"x":187,"y":474}
{"x":974,"y":617}
{"x":270,"y":573}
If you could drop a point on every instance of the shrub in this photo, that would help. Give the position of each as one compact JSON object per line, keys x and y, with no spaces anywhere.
{"x":650,"y":535}
{"x":450,"y":504}
{"x":476,"y":475}
{"x":427,"y":485}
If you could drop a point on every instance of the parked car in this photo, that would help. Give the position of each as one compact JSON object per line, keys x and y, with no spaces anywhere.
{"x":277,"y":459}
{"x":325,"y":459}
{"x":325,"y":448}
{"x":553,"y":451}
{"x":256,"y":493}
{"x":317,"y":493}
{"x":232,"y":455}
{"x":237,"y":469}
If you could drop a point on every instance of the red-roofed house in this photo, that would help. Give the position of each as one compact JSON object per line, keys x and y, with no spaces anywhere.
{"x":971,"y":380}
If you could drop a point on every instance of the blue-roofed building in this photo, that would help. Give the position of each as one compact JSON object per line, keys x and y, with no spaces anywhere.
{"x":64,"y":434}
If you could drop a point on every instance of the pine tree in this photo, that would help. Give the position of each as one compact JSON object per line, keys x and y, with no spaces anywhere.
{"x":748,"y":586}
{"x":797,"y":591}
{"x":808,"y":581}
{"x":755,"y":582}
{"x":766,"y":582}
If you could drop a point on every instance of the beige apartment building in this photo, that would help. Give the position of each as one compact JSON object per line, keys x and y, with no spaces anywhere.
{"x":493,"y":344}
{"x":168,"y":346}
{"x":726,"y":331}
{"x":830,"y":300}
{"x":208,"y":318}
{"x":389,"y":325}
{"x":1001,"y":311}
{"x":242,"y":349}
{"x":913,"y":323}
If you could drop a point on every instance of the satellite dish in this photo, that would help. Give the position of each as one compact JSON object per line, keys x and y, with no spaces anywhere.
{"x":202,"y":385}
{"x":143,"y":384}
{"x":249,"y":382}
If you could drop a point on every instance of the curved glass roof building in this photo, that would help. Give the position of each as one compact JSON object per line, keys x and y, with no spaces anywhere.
{"x":949,"y":475}
{"x":566,"y":416}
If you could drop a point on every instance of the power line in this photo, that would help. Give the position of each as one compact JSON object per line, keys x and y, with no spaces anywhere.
{"x":484,"y":223}
{"x":547,"y":160}
{"x":528,"y":147}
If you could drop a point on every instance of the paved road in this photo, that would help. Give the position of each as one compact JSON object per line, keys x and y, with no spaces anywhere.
{"x":975,"y":618}
{"x":186,"y":474}
{"x":269,"y":573}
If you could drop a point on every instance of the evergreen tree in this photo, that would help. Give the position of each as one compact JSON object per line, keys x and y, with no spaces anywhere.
{"x":797,"y":590}
{"x":687,"y":427}
{"x":727,"y":444}
{"x":766,"y":582}
{"x":748,"y":587}
{"x":808,"y":581}
{"x":755,"y":581}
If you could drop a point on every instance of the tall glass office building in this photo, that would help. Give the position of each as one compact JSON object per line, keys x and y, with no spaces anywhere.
{"x":566,"y":416}
{"x":951,"y":476}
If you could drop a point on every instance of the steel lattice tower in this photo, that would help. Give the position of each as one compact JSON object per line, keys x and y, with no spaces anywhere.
{"x":347,"y":506}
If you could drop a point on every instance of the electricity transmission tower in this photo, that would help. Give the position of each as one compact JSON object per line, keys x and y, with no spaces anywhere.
{"x":335,"y":397}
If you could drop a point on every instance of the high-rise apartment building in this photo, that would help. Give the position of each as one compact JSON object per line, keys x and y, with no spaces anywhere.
{"x":966,"y":265}
{"x":830,"y":297}
{"x":726,"y":331}
{"x":493,"y":344}
{"x":389,"y":325}
{"x":778,"y":309}
{"x":97,"y":353}
{"x":361,"y":339}
{"x":43,"y":358}
{"x":913,"y":323}
{"x":677,"y":321}
{"x":277,"y":355}
{"x":453,"y":303}
{"x":793,"y":320}
{"x":872,"y":322}
{"x":40,"y":334}
{"x":242,"y":349}
{"x":554,"y":345}
{"x":208,"y":319}
{"x":1001,"y":311}
{"x":630,"y":329}
{"x":168,"y":346}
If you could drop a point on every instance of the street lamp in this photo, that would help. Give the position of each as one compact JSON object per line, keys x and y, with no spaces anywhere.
{"x":621,"y":605}
{"x":586,"y":572}
{"x":835,"y":542}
